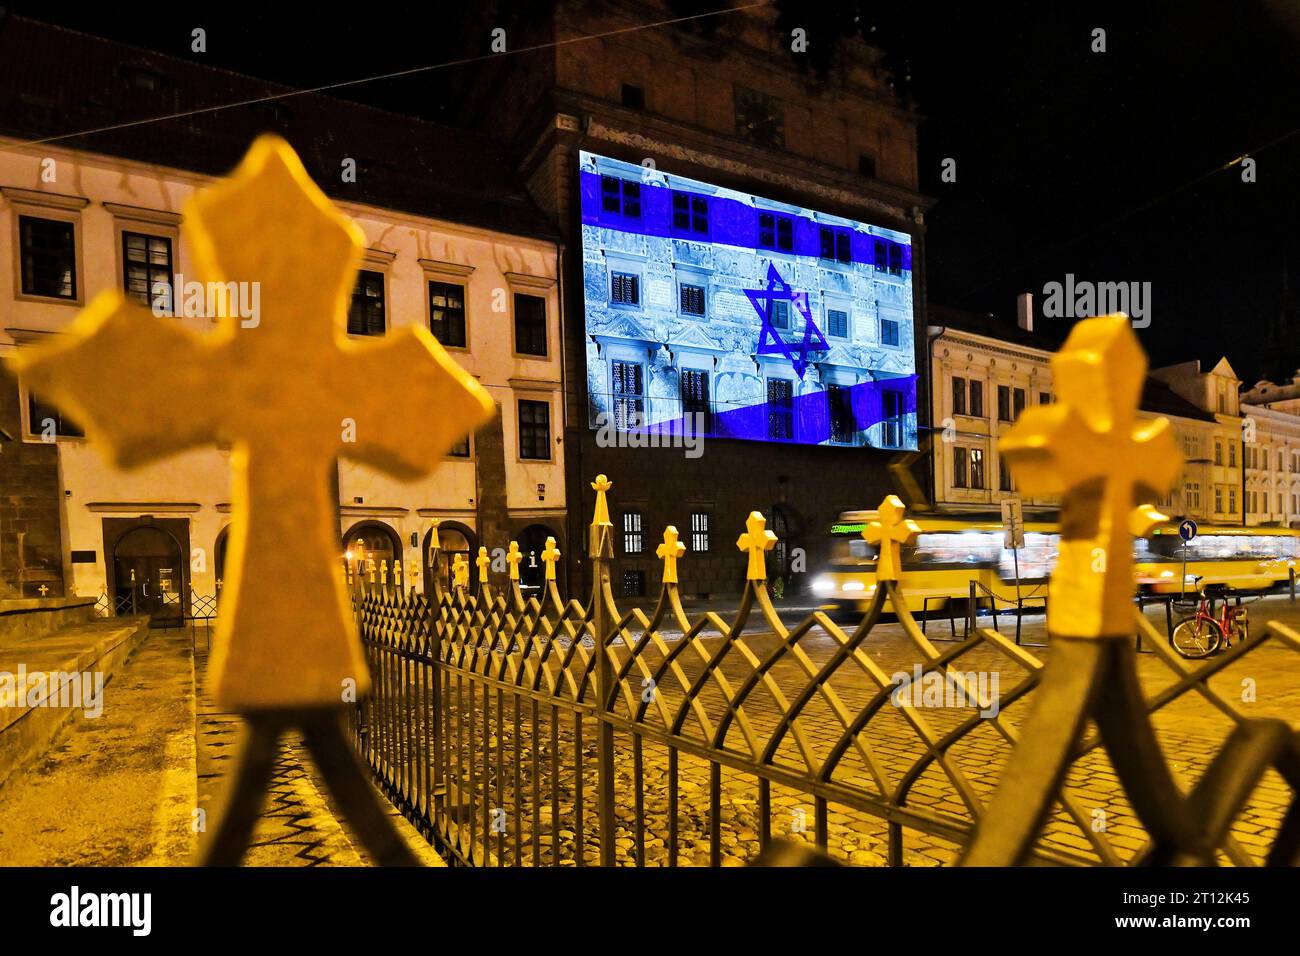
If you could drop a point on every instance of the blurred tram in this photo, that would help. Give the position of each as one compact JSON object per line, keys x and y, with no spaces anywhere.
{"x":953,"y":550}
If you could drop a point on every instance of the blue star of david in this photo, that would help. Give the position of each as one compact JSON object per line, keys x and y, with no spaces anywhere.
{"x":777,"y":290}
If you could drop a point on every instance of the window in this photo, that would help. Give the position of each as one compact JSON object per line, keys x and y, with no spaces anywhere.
{"x":1018,"y":401}
{"x":960,"y":463}
{"x":690,"y":214}
{"x":888,"y":331}
{"x":146,"y":262}
{"x":534,"y":430}
{"x":759,"y":117}
{"x":835,"y":245}
{"x":692,"y":299}
{"x":43,"y":419}
{"x":1218,"y":498}
{"x":48,"y":250}
{"x":891,"y":426}
{"x":977,"y":468}
{"x":1004,"y":403}
{"x":837,"y":323}
{"x":1004,"y":476}
{"x":889,"y":257}
{"x":695,"y":397}
{"x":1218,"y":458}
{"x":633,"y":541}
{"x":633,"y":584}
{"x":530,"y":325}
{"x":779,"y":313}
{"x":1232,"y":454}
{"x":620,"y":196}
{"x":1044,"y":398}
{"x":977,"y":398}
{"x":780,"y":409}
{"x":460,"y":449}
{"x":699,"y":531}
{"x":633,"y":96}
{"x":775,"y":232}
{"x":447,"y":313}
{"x":839,"y":402}
{"x":629,"y":395}
{"x":958,"y":396}
{"x":1192,"y":496}
{"x":624,"y":288}
{"x":1232,"y":501}
{"x":366,"y":314}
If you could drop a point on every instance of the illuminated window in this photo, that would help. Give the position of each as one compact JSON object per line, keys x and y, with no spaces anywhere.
{"x":48,"y":254}
{"x":633,"y":540}
{"x":692,"y":299}
{"x":366,"y":314}
{"x":977,"y":468}
{"x":699,"y":531}
{"x":146,"y":262}
{"x":447,"y":313}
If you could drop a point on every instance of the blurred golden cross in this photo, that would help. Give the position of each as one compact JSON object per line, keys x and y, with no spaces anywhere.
{"x":483,"y":562}
{"x":274,"y":387}
{"x":513,"y":557}
{"x":670,"y":551}
{"x":1089,"y":448}
{"x":550,"y":554}
{"x":460,"y":572}
{"x":891,"y":531}
{"x":756,"y":540}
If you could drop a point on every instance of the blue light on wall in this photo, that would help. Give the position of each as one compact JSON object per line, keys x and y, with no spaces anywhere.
{"x":714,"y":310}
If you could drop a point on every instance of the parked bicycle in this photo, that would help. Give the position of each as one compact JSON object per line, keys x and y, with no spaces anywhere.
{"x":1202,"y":634}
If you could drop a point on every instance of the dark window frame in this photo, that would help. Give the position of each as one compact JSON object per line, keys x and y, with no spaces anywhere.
{"x":152,"y":274}
{"x":453,"y":317}
{"x":700,"y":543}
{"x":527,"y":343}
{"x":39,"y":261}
{"x":534,"y":421}
{"x":361,"y":309}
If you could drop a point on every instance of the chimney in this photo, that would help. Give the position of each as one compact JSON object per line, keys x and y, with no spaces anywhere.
{"x":1025,"y":311}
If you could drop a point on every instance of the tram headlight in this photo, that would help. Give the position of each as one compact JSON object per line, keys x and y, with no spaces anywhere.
{"x":823,"y":584}
{"x":854,"y":586}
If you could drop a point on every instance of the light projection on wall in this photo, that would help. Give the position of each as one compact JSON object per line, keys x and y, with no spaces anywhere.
{"x":718,"y":313}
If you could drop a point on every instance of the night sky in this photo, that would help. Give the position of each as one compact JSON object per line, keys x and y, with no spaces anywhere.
{"x":1105,"y":165}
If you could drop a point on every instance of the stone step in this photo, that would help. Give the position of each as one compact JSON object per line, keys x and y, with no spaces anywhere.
{"x":34,"y":705}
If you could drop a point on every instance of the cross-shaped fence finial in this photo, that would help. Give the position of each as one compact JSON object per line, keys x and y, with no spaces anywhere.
{"x":891,"y":531}
{"x":756,"y":540}
{"x":484,"y":562}
{"x":550,"y":554}
{"x":513,"y":557}
{"x":670,"y":551}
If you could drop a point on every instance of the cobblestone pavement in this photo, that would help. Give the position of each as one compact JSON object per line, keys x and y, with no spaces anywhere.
{"x":297,"y":827}
{"x":484,"y":750}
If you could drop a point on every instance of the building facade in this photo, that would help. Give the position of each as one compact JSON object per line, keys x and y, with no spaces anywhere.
{"x":984,"y":373}
{"x":799,"y":189}
{"x":76,"y":221}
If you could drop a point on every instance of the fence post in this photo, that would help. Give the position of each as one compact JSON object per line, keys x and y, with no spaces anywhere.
{"x":601,"y":551}
{"x":972,"y":611}
{"x":1291,"y":575}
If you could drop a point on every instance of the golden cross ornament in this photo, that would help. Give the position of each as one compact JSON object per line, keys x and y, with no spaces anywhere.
{"x":513,"y":557}
{"x":756,"y":540}
{"x":550,"y":554}
{"x":278,"y":391}
{"x":434,"y":543}
{"x":670,"y":551}
{"x":483,"y":562}
{"x":460,"y":572}
{"x":890,"y":530}
{"x":1089,"y":448}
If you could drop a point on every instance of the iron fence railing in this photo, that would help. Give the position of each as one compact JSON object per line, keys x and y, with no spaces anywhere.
{"x":500,"y":731}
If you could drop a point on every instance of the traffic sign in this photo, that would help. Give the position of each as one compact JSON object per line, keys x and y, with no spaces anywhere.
{"x":1013,"y":523}
{"x":1187,"y":530}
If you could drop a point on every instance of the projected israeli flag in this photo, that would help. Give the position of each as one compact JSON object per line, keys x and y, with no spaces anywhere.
{"x":715,"y":311}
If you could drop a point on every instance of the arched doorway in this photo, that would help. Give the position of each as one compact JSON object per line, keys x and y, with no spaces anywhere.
{"x":532,"y":570}
{"x":373,"y":543}
{"x":149,"y":575}
{"x":454,"y":539}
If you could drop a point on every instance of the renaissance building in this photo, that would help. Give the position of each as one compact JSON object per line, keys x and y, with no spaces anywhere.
{"x":451,"y":244}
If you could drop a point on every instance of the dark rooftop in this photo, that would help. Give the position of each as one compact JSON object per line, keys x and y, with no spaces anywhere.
{"x":55,"y":81}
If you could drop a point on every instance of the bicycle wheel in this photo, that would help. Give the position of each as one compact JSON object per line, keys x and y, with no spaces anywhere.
{"x":1196,"y":638}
